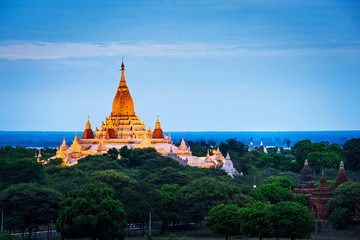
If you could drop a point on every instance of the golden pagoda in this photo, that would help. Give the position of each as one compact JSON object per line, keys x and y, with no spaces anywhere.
{"x":124,"y":128}
{"x":122,"y":122}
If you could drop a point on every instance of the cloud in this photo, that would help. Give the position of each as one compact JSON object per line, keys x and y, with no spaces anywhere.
{"x":49,"y":50}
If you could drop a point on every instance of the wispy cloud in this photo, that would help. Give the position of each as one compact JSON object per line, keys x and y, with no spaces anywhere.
{"x":48,"y":50}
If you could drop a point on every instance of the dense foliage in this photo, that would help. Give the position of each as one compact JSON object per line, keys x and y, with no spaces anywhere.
{"x":224,"y":219}
{"x":92,"y":213}
{"x":319,"y":155}
{"x":352,"y":153}
{"x":142,"y":181}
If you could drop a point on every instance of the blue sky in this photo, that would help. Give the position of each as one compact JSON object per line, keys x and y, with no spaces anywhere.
{"x":200,"y":65}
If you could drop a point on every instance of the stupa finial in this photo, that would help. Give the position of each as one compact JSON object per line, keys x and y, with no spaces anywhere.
{"x":122,"y":80}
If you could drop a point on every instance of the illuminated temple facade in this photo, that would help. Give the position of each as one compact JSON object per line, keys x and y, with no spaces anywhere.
{"x":124,"y":128}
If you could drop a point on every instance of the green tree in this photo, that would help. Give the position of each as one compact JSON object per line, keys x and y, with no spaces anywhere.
{"x":352,"y":153}
{"x":92,"y":213}
{"x":125,"y":152}
{"x":113,"y":153}
{"x":199,"y":196}
{"x":274,"y":160}
{"x":56,"y":162}
{"x":253,"y":222}
{"x":289,"y":220}
{"x":347,"y":195}
{"x":301,"y":150}
{"x":138,"y":156}
{"x":224,"y":219}
{"x":65,"y":179}
{"x":138,"y":198}
{"x":198,"y":148}
{"x":282,"y":181}
{"x":273,"y":193}
{"x":340,"y":218}
{"x":96,"y":163}
{"x":251,"y":157}
{"x":302,"y":199}
{"x":320,"y":155}
{"x":6,"y":236}
{"x":168,"y":210}
{"x":324,"y":160}
{"x":14,"y":171}
{"x":28,"y":205}
{"x":232,"y":145}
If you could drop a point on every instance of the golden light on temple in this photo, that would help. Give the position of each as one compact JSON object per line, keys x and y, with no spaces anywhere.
{"x":123,"y":128}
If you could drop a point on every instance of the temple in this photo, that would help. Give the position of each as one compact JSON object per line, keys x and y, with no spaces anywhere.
{"x":319,"y":199}
{"x":124,"y":128}
{"x":229,"y":167}
{"x":251,"y":145}
{"x":261,"y":147}
{"x":341,"y":177}
{"x":306,"y":185}
{"x":318,"y":196}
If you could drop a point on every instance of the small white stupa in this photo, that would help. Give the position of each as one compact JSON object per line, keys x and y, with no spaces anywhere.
{"x":265,"y":150}
{"x":229,"y":167}
{"x":251,"y":145}
{"x":278,"y":150}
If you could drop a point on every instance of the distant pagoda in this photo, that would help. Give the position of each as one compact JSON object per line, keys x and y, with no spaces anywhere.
{"x":319,"y":199}
{"x":306,"y":185}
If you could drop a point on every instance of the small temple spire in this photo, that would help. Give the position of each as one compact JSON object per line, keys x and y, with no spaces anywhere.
{"x":341,"y":166}
{"x":251,"y":145}
{"x":323,"y":181}
{"x":88,"y":133}
{"x":122,"y":79}
{"x":88,"y":125}
{"x":63,"y":146}
{"x":306,"y":164}
{"x":261,"y":147}
{"x":157,"y":125}
{"x":158,"y":133}
{"x":208,"y":158}
{"x":341,"y":177}
{"x":278,"y":150}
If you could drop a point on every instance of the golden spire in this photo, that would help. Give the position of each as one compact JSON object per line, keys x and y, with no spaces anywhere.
{"x":157,"y":125}
{"x":122,"y":80}
{"x":123,"y":104}
{"x":75,"y":138}
{"x":88,"y":125}
{"x":208,"y":158}
{"x":63,"y":146}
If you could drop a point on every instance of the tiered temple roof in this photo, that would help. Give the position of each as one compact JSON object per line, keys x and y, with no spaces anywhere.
{"x":319,"y":199}
{"x":341,"y":177}
{"x":124,"y":128}
{"x":88,"y":133}
{"x":158,"y":133}
{"x":306,"y":185}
